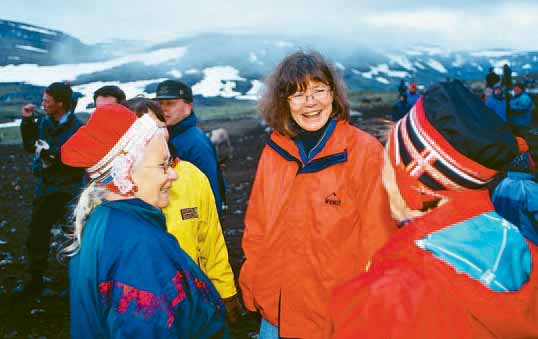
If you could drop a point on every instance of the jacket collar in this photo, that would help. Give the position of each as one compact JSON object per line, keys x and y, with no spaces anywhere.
{"x":183,"y":125}
{"x":329,"y":150}
{"x":327,"y":145}
{"x":140,"y":208}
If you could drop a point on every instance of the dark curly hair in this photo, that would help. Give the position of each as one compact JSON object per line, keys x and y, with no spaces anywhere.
{"x":292,"y":75}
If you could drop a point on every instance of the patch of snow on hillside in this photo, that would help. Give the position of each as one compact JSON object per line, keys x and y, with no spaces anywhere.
{"x":31,"y":48}
{"x":384,"y":68}
{"x":218,"y":81}
{"x":253,"y":58}
{"x":436,"y":65}
{"x":192,"y":71}
{"x":45,"y":75}
{"x":527,"y":66}
{"x":500,"y":63}
{"x":131,"y":90}
{"x":37,"y":29}
{"x":15,"y":123}
{"x":430,"y":50}
{"x":383,"y":80}
{"x":401,"y":60}
{"x":419,"y":65}
{"x":175,"y":73}
{"x":254,"y":92}
{"x":492,"y":54}
{"x":339,"y":66}
{"x":458,"y":61}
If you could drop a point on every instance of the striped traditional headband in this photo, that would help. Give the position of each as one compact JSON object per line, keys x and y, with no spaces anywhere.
{"x":113,"y":170}
{"x":426,"y":156}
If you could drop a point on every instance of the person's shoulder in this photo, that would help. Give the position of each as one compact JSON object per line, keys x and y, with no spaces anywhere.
{"x":357,"y":136}
{"x":187,"y":171}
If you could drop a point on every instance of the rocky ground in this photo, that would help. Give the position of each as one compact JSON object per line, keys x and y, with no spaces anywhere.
{"x":48,"y":315}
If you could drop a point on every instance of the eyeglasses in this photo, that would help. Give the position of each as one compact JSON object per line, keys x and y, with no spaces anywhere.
{"x":170,"y":163}
{"x":317,"y":94}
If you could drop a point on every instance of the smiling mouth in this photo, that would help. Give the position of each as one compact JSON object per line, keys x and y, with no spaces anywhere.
{"x":311,"y":114}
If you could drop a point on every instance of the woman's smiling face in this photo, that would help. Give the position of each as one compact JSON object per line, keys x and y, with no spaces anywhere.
{"x":312,"y":107}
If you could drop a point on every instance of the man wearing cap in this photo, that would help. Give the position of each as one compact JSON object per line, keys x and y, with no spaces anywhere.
{"x":56,"y":184}
{"x":187,"y":139}
{"x":412,"y":95}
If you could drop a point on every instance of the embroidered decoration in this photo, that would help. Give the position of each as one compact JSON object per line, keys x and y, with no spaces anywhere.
{"x":147,"y":304}
{"x":189,"y":213}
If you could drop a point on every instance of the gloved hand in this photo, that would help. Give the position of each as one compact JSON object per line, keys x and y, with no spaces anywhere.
{"x":234,"y":309}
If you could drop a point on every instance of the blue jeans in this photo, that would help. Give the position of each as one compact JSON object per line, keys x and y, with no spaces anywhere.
{"x":268,"y":330}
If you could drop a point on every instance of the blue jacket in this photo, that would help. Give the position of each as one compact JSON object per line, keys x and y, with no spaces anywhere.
{"x":497,"y":104}
{"x":400,"y":109}
{"x":521,"y":107}
{"x":516,"y":199}
{"x":191,"y":144}
{"x":130,"y":279}
{"x":51,"y":174}
{"x":412,"y":98}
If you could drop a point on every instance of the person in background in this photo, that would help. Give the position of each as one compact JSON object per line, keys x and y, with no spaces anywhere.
{"x":456,"y":268}
{"x":191,"y":217}
{"x":492,"y":78}
{"x":520,"y":113}
{"x":515,"y":197}
{"x":128,"y":277}
{"x":109,"y":94}
{"x":190,"y":142}
{"x":495,"y":101}
{"x":317,"y":211}
{"x":402,"y":87}
{"x":400,"y":108}
{"x":56,"y":184}
{"x":412,"y":94}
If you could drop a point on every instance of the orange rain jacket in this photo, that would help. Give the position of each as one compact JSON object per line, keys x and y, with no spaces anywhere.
{"x":311,"y":225}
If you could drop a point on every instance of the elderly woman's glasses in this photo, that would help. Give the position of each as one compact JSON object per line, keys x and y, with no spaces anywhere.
{"x":317,"y":94}
{"x":170,"y":163}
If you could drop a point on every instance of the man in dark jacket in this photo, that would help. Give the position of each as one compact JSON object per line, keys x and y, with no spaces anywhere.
{"x":189,"y":142}
{"x":492,"y":78}
{"x":56,"y":184}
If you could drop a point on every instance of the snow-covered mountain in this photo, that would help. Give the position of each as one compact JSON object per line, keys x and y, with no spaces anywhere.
{"x":227,"y":65}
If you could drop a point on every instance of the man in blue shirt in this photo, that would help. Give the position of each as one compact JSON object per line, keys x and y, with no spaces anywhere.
{"x":521,"y":107}
{"x":189,"y":142}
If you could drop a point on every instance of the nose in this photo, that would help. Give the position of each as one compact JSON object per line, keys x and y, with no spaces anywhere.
{"x":310,"y":99}
{"x":172,"y":175}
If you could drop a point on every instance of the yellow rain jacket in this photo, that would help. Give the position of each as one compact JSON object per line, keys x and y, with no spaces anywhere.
{"x":192,"y":218}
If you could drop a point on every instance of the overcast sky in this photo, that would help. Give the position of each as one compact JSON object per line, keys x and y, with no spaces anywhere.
{"x":458,"y":24}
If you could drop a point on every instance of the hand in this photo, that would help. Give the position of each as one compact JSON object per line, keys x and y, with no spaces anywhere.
{"x":28,"y":110}
{"x":233,"y":309}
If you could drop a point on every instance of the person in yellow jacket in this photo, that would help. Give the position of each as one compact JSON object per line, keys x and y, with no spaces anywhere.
{"x":192,"y":218}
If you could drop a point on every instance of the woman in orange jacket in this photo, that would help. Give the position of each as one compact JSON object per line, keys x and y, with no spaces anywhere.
{"x":318,"y":210}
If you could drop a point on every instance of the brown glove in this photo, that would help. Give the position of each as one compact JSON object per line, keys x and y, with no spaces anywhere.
{"x":233,"y":309}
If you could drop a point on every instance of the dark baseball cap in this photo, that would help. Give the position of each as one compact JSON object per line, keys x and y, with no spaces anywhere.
{"x":173,"y":89}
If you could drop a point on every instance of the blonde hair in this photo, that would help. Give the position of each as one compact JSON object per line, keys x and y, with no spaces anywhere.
{"x":90,"y":198}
